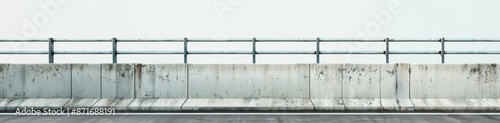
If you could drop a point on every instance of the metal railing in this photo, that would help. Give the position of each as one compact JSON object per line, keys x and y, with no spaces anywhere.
{"x":254,"y":52}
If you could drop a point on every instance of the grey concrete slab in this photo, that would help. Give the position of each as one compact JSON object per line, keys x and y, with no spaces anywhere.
{"x":450,"y":81}
{"x":86,"y":81}
{"x":248,"y":80}
{"x":12,"y":82}
{"x":47,"y":81}
{"x":118,"y":80}
{"x":395,"y":87}
{"x":248,"y":87}
{"x":490,"y":86}
{"x":211,"y":104}
{"x":161,"y":87}
{"x":446,"y":87}
{"x":162,"y":81}
{"x":361,"y":86}
{"x":326,"y":86}
{"x":86,"y":85}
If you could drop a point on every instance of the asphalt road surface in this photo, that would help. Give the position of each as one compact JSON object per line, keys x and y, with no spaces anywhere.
{"x":258,"y":118}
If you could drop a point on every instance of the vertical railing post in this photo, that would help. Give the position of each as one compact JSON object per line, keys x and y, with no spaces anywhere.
{"x":185,"y":50}
{"x":115,"y":56}
{"x":253,"y":50}
{"x":386,"y":50}
{"x":51,"y":50}
{"x":442,"y":49}
{"x":317,"y":50}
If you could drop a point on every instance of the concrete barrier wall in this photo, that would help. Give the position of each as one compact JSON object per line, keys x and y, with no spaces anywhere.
{"x":85,"y":85}
{"x":12,"y":80}
{"x":174,"y":87}
{"x":47,"y":81}
{"x":395,"y":87}
{"x":249,"y":81}
{"x":160,"y":87}
{"x":248,"y":87}
{"x":326,"y":86}
{"x":454,"y":86}
{"x":33,"y":84}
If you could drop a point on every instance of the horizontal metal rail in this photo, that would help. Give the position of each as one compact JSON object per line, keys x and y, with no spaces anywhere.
{"x":253,"y":41}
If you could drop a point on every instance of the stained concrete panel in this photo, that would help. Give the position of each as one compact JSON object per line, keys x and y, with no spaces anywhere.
{"x":86,"y":80}
{"x":162,"y":81}
{"x":361,"y":86}
{"x":395,"y":87}
{"x":326,"y":86}
{"x":86,"y":85}
{"x":446,"y":87}
{"x":266,"y":84}
{"x":161,"y":87}
{"x":118,"y":80}
{"x":48,"y":81}
{"x":117,"y":86}
{"x":248,"y":81}
{"x":12,"y":82}
{"x":46,"y":86}
{"x":490,"y":86}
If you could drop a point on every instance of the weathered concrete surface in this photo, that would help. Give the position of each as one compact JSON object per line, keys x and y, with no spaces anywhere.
{"x":160,"y":87}
{"x":117,"y":89}
{"x":448,"y":87}
{"x":326,"y":86}
{"x":86,"y":85}
{"x":361,"y":86}
{"x":47,"y":81}
{"x":9,"y":104}
{"x":45,"y":85}
{"x":165,"y":87}
{"x":43,"y":103}
{"x":12,"y":81}
{"x":490,"y":86}
{"x":119,"y":104}
{"x":271,"y":83}
{"x":395,"y":87}
{"x":11,"y":85}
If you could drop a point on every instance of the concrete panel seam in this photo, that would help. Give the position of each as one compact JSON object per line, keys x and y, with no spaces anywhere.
{"x":409,"y":86}
{"x":186,"y":66}
{"x":342,"y":67}
{"x":100,"y":76}
{"x":380,"y":85}
{"x":314,"y":106}
{"x":70,"y":82}
{"x":96,"y":102}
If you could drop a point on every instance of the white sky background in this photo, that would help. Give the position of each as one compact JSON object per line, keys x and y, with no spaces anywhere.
{"x":157,"y":19}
